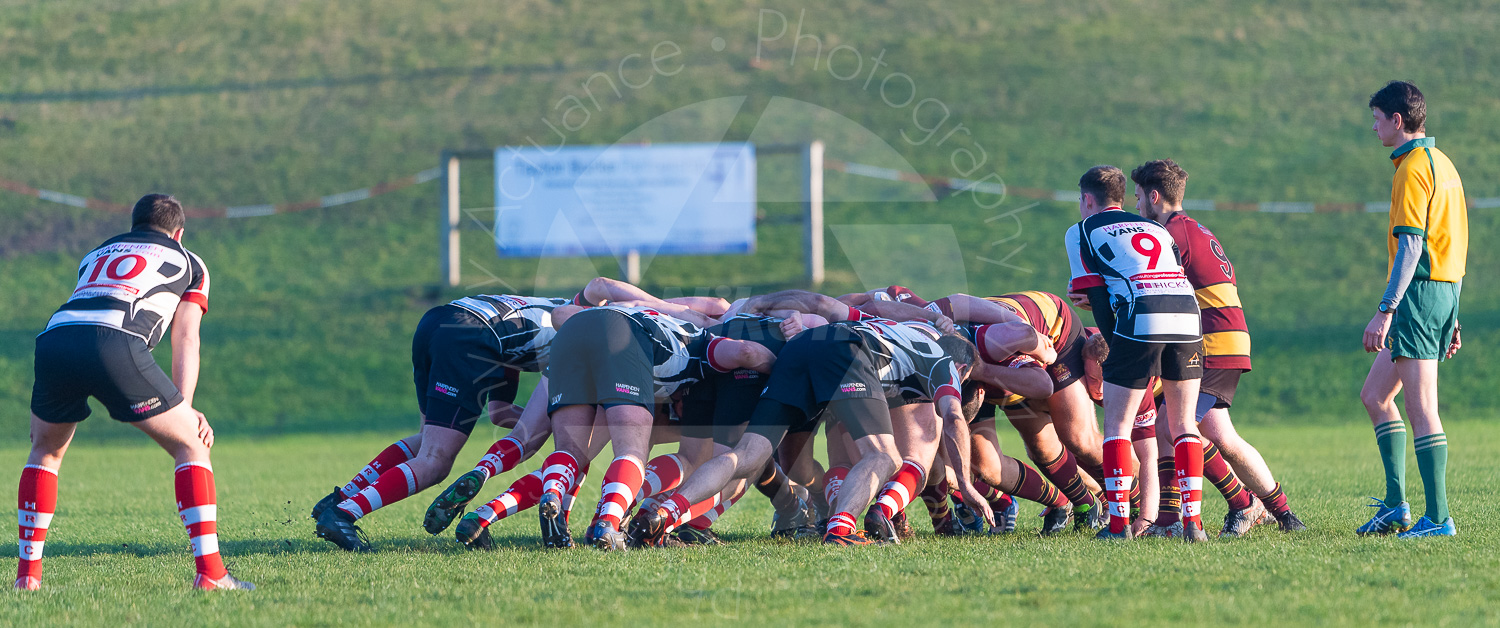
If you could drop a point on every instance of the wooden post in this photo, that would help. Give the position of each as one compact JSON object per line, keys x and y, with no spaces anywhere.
{"x":812,"y":224}
{"x":630,"y":267}
{"x":448,"y":228}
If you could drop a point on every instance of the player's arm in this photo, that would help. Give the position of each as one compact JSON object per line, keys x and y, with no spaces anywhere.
{"x":1104,"y":315}
{"x":728,"y":354}
{"x":1031,"y":382}
{"x":999,"y":342}
{"x":793,"y":323}
{"x":856,"y":299}
{"x":956,"y":447}
{"x":603,"y":290}
{"x":972,"y":309}
{"x":900,"y":312}
{"x":562,"y":313}
{"x":674,"y":310}
{"x":186,"y":346}
{"x":1403,"y":269}
{"x":798,"y":301}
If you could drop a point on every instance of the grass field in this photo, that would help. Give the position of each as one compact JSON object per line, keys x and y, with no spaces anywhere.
{"x":116,"y":554}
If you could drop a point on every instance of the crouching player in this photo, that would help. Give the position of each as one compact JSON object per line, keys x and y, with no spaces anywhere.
{"x":1127,"y":270}
{"x":130,"y":290}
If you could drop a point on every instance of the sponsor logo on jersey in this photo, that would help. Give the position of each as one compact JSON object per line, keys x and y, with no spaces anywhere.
{"x":146,"y":406}
{"x":627,"y":389}
{"x":451,"y":391}
{"x":853,"y":387}
{"x":1117,"y":231}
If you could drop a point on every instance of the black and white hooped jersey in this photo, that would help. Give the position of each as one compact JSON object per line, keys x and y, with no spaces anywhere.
{"x":908,"y":359}
{"x":678,"y":349}
{"x":133,"y":282}
{"x":1137,"y":261}
{"x":522,"y":326}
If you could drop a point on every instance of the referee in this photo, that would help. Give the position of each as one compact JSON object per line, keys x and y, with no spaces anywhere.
{"x":1417,"y":325}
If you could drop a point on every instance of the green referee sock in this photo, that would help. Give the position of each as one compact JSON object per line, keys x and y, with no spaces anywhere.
{"x":1432,"y":462}
{"x":1391,"y":437}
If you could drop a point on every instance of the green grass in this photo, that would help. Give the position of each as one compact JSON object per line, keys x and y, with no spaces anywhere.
{"x":115,"y":553}
{"x":244,"y":101}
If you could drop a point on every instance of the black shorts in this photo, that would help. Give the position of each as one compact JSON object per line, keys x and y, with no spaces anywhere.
{"x":599,"y":358}
{"x":1069,"y":365}
{"x":75,"y":362}
{"x":456,"y":367}
{"x":1132,"y":363}
{"x":1221,"y":383}
{"x":720,"y":406}
{"x":820,"y":365}
{"x":862,"y":416}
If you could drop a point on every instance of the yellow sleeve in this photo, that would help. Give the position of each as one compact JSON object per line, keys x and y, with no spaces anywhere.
{"x":1411,"y":190}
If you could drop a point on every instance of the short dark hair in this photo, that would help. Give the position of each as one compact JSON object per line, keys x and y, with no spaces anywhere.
{"x":1404,"y":98}
{"x":972,"y":399}
{"x":1105,"y":183}
{"x":960,"y":349}
{"x":1164,"y":176}
{"x":1097,"y":346}
{"x":158,"y":211}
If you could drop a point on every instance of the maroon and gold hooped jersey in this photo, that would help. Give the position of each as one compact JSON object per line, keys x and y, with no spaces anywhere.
{"x":1226,"y":337}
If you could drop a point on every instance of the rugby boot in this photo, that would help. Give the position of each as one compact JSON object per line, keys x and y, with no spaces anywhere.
{"x":1290,"y":523}
{"x":690,"y":535}
{"x":1192,"y":532}
{"x":857,"y":538}
{"x":903,"y":526}
{"x":472,"y":533}
{"x":452,"y":501}
{"x":337,"y":527}
{"x":1089,"y":517}
{"x":967,"y":518}
{"x":1425,"y":527}
{"x":28,"y":583}
{"x":554,"y":521}
{"x":1106,"y":535}
{"x":784,"y":525}
{"x":226,"y":582}
{"x":1172,"y":531}
{"x":605,"y":537}
{"x":948,"y":526}
{"x":1237,"y":523}
{"x":1387,"y":519}
{"x":1005,"y":520}
{"x":329,"y":501}
{"x":646,"y":528}
{"x":879,"y":528}
{"x":1055,"y":519}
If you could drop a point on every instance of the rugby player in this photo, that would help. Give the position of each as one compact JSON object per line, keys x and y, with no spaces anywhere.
{"x":624,"y":359}
{"x":1160,"y":186}
{"x":1417,"y":323}
{"x":847,"y":368}
{"x":1126,"y":269}
{"x":130,"y":291}
{"x":466,"y":360}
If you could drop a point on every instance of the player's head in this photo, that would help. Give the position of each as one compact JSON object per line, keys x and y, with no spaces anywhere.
{"x":1100,"y":187}
{"x":1398,"y":108}
{"x":962,"y":351}
{"x":973,"y":398}
{"x":160,"y":212}
{"x":1159,"y":186}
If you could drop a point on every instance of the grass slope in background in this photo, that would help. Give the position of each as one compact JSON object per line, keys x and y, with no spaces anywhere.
{"x":312,"y":313}
{"x":118,"y":556}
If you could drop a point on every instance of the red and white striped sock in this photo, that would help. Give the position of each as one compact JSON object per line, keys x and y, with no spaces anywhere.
{"x":832,"y":480}
{"x":503,"y":456}
{"x":898,"y":492}
{"x":522,"y":494}
{"x":707,"y":520}
{"x":676,"y":508}
{"x":841,"y":524}
{"x":558,"y":472}
{"x":1188,"y":450}
{"x":35,"y":502}
{"x":397,"y":453}
{"x":663,"y":473}
{"x":622,"y":481}
{"x":392,"y":486}
{"x":197,"y":507}
{"x":1118,"y":476}
{"x":572,"y":496}
{"x":697,"y":510}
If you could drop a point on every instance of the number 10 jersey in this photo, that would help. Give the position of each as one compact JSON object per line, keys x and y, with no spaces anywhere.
{"x":1137,"y":261}
{"x":133,"y":282}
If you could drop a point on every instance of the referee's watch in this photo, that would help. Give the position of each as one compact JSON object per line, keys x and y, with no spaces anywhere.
{"x":1385,"y":308}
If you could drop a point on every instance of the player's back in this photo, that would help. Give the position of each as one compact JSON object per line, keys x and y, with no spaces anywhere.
{"x":1137,"y":261}
{"x":133,"y":282}
{"x":522,"y":325}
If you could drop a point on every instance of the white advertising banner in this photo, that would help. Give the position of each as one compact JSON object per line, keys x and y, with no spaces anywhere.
{"x":662,"y":199}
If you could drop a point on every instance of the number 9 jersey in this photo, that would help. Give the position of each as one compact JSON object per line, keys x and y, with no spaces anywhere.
{"x":1137,"y":261}
{"x":133,"y":283}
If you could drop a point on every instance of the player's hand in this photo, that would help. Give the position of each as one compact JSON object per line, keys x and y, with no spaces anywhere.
{"x":791,"y":326}
{"x":1455,"y":345}
{"x":944,"y":324}
{"x":507,"y":415}
{"x":1044,"y":351}
{"x":976,"y":502}
{"x":205,"y":431}
{"x":1376,"y":331}
{"x":1080,"y":301}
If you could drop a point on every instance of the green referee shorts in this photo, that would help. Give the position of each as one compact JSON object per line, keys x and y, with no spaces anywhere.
{"x":1424,"y":322}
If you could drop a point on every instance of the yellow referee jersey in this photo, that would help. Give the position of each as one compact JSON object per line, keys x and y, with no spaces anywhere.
{"x":1427,"y":200}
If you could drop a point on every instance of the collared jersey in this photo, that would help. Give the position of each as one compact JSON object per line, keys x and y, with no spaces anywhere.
{"x":1226,"y":337}
{"x":1044,"y":311}
{"x":133,"y":283}
{"x":522,"y":326}
{"x":909,"y":360}
{"x":1427,"y":200}
{"x":1137,"y":261}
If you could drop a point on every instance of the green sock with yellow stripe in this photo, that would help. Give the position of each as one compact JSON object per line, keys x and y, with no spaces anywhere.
{"x":1432,"y":462}
{"x":1391,"y":437}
